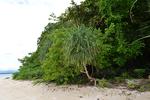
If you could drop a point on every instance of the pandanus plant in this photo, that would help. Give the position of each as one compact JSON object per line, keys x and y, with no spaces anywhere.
{"x":81,"y":49}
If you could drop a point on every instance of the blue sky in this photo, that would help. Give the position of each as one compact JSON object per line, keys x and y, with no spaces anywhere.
{"x":21,"y":23}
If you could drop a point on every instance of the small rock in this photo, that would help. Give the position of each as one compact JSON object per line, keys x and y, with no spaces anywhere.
{"x":148,"y":76}
{"x":81,"y":96}
{"x":7,"y":78}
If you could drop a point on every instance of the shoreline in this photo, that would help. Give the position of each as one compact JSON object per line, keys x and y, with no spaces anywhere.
{"x":25,"y":90}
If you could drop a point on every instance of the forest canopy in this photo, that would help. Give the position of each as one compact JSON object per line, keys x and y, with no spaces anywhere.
{"x":94,"y":40}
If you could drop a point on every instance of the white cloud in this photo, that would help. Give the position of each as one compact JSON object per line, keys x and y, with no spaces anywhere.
{"x":21,"y":23}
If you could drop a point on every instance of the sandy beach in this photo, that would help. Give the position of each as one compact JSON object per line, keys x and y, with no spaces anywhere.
{"x":25,"y":90}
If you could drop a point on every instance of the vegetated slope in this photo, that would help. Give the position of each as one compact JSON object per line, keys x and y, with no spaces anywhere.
{"x":96,"y":39}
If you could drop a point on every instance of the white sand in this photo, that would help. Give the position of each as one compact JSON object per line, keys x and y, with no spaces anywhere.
{"x":24,"y":90}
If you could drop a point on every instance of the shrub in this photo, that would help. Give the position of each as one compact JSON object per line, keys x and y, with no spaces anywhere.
{"x":131,"y":84}
{"x":103,"y":83}
{"x":139,"y":72}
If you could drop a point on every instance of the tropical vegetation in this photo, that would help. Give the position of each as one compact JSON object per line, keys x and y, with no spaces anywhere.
{"x":98,"y":39}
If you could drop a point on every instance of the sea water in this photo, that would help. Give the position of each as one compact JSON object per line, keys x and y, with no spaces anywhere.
{"x":5,"y":75}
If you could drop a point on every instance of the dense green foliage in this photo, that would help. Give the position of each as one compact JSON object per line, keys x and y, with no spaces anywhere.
{"x":96,"y":39}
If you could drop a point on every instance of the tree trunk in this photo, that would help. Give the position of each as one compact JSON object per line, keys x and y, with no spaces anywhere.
{"x":89,"y":77}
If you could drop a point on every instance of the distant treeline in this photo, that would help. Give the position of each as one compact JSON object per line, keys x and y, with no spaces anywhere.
{"x":98,"y":39}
